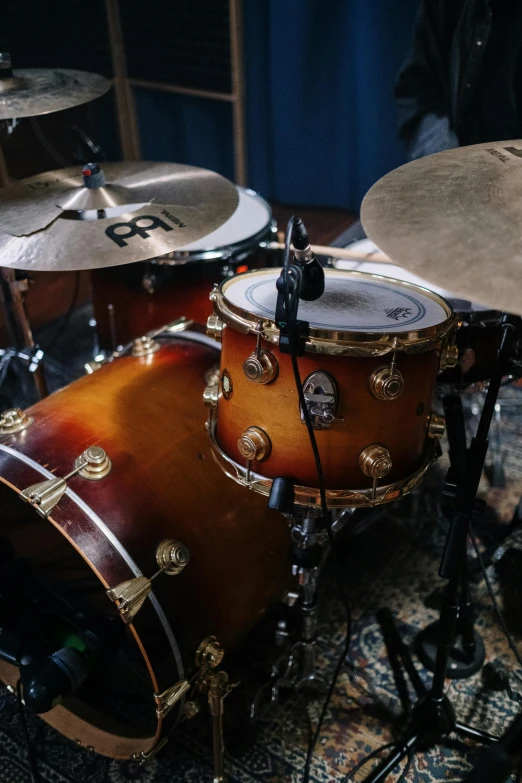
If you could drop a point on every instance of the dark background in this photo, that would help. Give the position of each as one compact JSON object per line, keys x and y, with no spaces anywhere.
{"x":321,"y":124}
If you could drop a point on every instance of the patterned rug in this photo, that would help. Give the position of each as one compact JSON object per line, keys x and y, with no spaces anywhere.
{"x":392,"y":563}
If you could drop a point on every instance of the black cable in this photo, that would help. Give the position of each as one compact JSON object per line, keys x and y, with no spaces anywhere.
{"x":373,"y":755}
{"x":494,"y":601}
{"x":23,"y":721}
{"x":67,"y":317}
{"x":324,"y":507}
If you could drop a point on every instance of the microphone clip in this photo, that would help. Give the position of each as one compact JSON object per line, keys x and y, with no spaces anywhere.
{"x":292,"y":332}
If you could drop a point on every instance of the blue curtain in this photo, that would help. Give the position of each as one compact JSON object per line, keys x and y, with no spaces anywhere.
{"x":321,"y":124}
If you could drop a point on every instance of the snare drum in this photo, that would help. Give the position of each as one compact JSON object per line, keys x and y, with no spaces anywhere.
{"x":133,"y":299}
{"x":156,"y":482}
{"x":479,"y":338}
{"x":374,"y":349}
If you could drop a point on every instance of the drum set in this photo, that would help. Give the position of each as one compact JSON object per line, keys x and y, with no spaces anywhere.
{"x":114,"y":483}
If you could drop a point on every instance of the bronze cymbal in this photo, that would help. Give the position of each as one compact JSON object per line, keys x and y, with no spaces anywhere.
{"x":138,"y":210}
{"x":455,"y":219}
{"x":33,"y":91}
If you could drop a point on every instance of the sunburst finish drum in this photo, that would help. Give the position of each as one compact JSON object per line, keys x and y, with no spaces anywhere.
{"x":160,"y":483}
{"x":375,"y":346}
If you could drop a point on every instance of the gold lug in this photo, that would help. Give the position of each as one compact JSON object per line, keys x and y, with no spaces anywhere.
{"x":209,"y":653}
{"x":449,"y":357}
{"x":45,"y":495}
{"x":437,"y":426}
{"x":130,"y":596}
{"x":261,"y":367}
{"x":168,"y":699}
{"x":144,"y":346}
{"x":93,"y":464}
{"x":254,"y":444}
{"x":211,"y":395}
{"x":172,"y":556}
{"x":215,"y":327}
{"x":375,"y":461}
{"x":386,"y":383}
{"x":14,"y":420}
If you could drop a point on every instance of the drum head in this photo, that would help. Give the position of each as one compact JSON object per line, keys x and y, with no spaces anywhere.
{"x":352,"y":302}
{"x":249,"y":223}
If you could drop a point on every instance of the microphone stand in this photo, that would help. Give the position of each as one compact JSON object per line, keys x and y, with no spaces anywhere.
{"x":497,"y":763}
{"x":433,"y":716}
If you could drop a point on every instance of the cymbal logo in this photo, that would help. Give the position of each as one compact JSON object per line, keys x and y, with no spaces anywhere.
{"x":133,"y":228}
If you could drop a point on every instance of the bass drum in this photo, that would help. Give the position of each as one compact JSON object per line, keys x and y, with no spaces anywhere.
{"x":134,"y":299}
{"x":146,"y":414}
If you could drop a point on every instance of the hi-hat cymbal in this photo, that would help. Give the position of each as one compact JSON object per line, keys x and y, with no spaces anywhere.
{"x":58,"y":221}
{"x":33,"y":91}
{"x":455,"y":219}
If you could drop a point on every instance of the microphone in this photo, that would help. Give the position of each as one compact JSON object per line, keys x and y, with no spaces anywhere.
{"x":312,"y":286}
{"x":46,"y":683}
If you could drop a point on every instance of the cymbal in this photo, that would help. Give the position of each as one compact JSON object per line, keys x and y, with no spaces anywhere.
{"x":131,"y":211}
{"x":455,"y":219}
{"x":30,"y":92}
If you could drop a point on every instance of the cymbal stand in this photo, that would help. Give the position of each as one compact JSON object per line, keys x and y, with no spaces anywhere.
{"x":467,"y":654}
{"x":23,"y":353}
{"x":433,"y":716}
{"x":296,"y":667}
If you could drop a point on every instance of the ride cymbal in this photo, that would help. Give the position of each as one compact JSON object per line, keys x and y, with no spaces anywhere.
{"x":455,"y":219}
{"x":127,"y":212}
{"x":30,"y":92}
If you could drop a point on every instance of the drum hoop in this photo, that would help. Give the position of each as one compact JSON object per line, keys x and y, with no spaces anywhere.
{"x":335,"y":341}
{"x":310,"y":496}
{"x":179,"y":257}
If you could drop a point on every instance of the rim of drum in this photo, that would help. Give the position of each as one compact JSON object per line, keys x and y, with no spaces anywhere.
{"x":335,"y":341}
{"x":76,"y":724}
{"x":223,"y":252}
{"x":310,"y":496}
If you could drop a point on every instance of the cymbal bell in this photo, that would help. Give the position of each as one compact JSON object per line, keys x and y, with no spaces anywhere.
{"x":127,"y":212}
{"x":455,"y":219}
{"x":30,"y":92}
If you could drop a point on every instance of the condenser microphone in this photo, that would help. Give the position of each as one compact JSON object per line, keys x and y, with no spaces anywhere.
{"x":312,"y":286}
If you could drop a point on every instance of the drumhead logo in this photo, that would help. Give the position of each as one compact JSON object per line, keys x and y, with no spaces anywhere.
{"x":133,"y":227}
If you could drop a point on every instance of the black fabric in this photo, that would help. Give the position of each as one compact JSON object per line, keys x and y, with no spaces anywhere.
{"x":461,"y":82}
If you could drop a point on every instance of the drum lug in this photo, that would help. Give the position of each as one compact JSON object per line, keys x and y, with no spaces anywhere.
{"x":387,"y":383}
{"x":437,"y":426}
{"x":320,"y":393}
{"x":215,"y":327}
{"x":171,"y":556}
{"x":93,"y":464}
{"x":449,"y":357}
{"x":168,"y":699}
{"x":14,"y":420}
{"x":144,"y":346}
{"x":254,"y":444}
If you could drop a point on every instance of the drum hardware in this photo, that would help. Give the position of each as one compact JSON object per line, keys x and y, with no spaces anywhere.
{"x":449,"y":357}
{"x":144,"y":346}
{"x":387,"y":383}
{"x":179,"y":325}
{"x":14,"y":420}
{"x":261,"y":366}
{"x":375,"y":462}
{"x":321,"y":396}
{"x":23,"y":353}
{"x":93,"y":464}
{"x":436,"y":426}
{"x":171,"y":556}
{"x":433,"y":715}
{"x":254,"y":444}
{"x":215,"y":327}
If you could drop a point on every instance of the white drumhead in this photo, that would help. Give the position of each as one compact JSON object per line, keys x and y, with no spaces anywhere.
{"x":252,"y":216}
{"x":351,"y":303}
{"x":364,"y":246}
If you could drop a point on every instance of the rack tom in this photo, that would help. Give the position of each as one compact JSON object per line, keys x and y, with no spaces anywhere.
{"x":368,"y":372}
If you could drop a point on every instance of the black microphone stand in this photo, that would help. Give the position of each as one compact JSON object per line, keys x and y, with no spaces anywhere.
{"x":433,"y":716}
{"x":497,"y":763}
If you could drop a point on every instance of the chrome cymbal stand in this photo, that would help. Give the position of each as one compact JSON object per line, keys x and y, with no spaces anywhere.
{"x":23,"y":353}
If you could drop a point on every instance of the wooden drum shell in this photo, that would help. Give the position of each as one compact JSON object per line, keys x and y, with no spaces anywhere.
{"x":147,"y":413}
{"x":400,"y":425}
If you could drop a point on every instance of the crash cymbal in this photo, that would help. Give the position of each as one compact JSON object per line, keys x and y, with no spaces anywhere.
{"x":455,"y":219}
{"x":34,"y":91}
{"x":66,"y":219}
